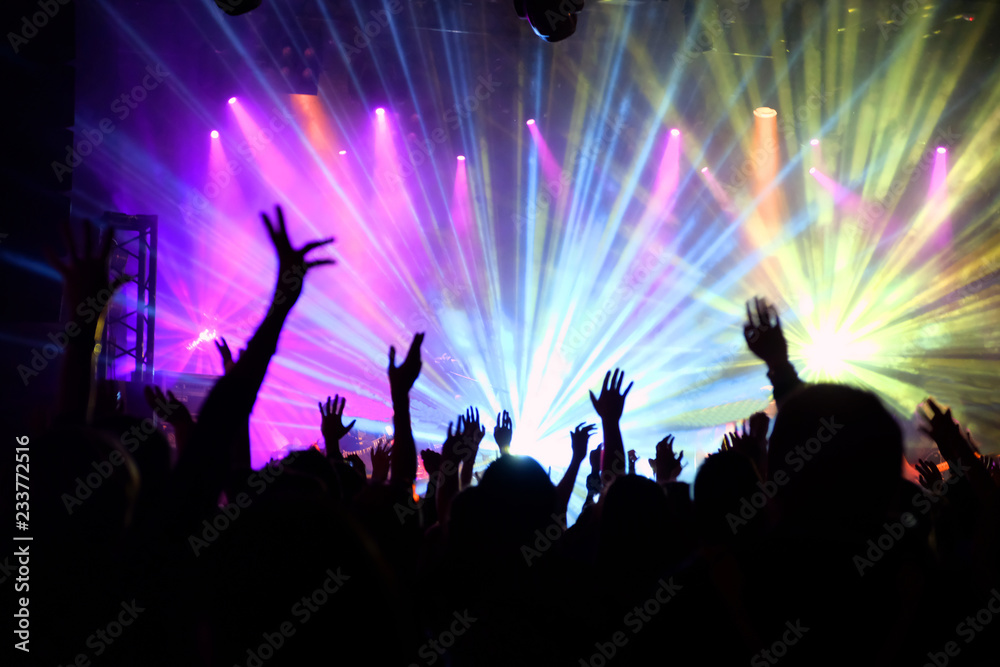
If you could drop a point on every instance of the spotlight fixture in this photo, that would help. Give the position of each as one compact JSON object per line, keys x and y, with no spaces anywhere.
{"x":675,"y":132}
{"x":704,"y":170}
{"x":764,"y":112}
{"x":215,"y":134}
{"x":552,"y":20}
{"x":814,"y":142}
{"x":531,"y":121}
{"x":461,"y":158}
{"x":343,"y":152}
{"x":942,"y":150}
{"x":232,"y":100}
{"x":812,"y":170}
{"x":380,"y":111}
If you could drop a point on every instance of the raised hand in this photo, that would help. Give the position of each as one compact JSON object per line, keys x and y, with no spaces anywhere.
{"x":332,"y":423}
{"x":402,"y":377}
{"x":168,"y":407}
{"x":381,"y":460}
{"x":475,"y":431}
{"x":929,"y":475}
{"x":946,"y":433}
{"x":503,"y":432}
{"x":959,"y":451}
{"x":292,"y":263}
{"x":668,"y":464}
{"x":632,"y":458}
{"x":473,"y":435}
{"x":449,"y":479}
{"x":86,"y":274}
{"x":595,"y":458}
{"x":579,"y":439}
{"x":86,"y":286}
{"x":611,"y":402}
{"x":451,"y":448}
{"x":226,"y":353}
{"x":431,"y":460}
{"x":763,"y":333}
{"x":357,"y":465}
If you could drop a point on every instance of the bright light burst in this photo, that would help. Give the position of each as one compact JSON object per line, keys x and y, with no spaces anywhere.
{"x":592,"y":240}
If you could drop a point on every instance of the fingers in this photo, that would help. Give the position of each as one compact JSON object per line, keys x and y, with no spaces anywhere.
{"x":281,"y":221}
{"x":935,"y":408}
{"x":593,"y":399}
{"x":319,"y":262}
{"x":415,"y":347}
{"x":269,"y":227}
{"x":312,"y":245}
{"x":627,"y":389}
{"x":762,"y":317}
{"x":392,"y":356}
{"x":749,"y":324}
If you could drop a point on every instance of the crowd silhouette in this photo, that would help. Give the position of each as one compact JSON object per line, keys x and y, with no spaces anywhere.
{"x":803,"y":542}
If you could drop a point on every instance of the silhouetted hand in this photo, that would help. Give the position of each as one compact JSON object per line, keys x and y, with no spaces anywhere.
{"x":86,"y":275}
{"x":357,"y":465}
{"x":668,"y":464}
{"x":381,"y":460}
{"x":763,"y":333}
{"x":432,"y":461}
{"x":959,"y":451}
{"x":292,"y":263}
{"x":595,"y":458}
{"x":946,"y":433}
{"x":332,"y":421}
{"x":579,"y":439}
{"x":168,"y":408}
{"x":402,"y":377}
{"x":632,"y":458}
{"x":474,"y":433}
{"x":611,"y":402}
{"x":453,"y":442}
{"x":227,"y":355}
{"x":928,"y":474}
{"x":503,"y":432}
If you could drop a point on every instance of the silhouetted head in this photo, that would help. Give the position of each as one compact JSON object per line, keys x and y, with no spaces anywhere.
{"x":724,"y":481}
{"x":519,"y":496}
{"x":636,"y":530}
{"x":840,"y":452}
